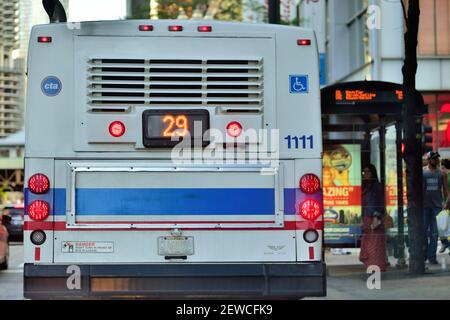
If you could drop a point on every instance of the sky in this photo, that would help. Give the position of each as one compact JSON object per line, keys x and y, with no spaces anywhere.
{"x":88,"y":10}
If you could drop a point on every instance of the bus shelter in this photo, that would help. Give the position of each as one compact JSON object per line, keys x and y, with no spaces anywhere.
{"x":362,"y":125}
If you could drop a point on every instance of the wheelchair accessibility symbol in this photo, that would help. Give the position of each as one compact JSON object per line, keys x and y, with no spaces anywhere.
{"x":298,"y":83}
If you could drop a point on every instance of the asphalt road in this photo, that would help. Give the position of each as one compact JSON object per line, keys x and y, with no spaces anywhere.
{"x":348,"y":287}
{"x":11,"y":280}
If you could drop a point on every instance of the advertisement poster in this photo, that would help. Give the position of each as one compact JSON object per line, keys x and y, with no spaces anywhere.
{"x":391,"y":173}
{"x":342,"y":194}
{"x":391,"y":182}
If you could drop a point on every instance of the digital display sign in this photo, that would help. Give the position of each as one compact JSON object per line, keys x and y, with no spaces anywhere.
{"x":166,"y":128}
{"x":363,"y":97}
{"x":354,"y":96}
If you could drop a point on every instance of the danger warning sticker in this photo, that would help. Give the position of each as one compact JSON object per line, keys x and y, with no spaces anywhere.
{"x":87,"y":247}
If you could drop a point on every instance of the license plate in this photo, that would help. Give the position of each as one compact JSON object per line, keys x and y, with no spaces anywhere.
{"x":175,"y":246}
{"x":166,"y":128}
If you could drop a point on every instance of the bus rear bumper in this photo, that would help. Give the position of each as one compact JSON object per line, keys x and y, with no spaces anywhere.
{"x":289,"y":281}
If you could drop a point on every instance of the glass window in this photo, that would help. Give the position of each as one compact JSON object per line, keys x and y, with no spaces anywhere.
{"x":358,"y":35}
{"x":434,"y":29}
{"x":442,"y":27}
{"x":4,"y":153}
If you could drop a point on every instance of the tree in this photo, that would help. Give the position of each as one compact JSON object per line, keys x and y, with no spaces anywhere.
{"x":412,"y":126}
{"x":258,"y":12}
{"x":140,"y":11}
{"x":229,"y":10}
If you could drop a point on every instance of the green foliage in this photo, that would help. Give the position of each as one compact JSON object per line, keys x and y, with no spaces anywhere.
{"x":229,"y":10}
{"x":141,"y":11}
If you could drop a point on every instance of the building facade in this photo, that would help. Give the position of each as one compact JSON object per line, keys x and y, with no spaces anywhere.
{"x":11,"y":102}
{"x":31,"y":13}
{"x":363,"y":40}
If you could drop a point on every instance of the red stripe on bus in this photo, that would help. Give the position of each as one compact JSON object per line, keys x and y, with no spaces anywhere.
{"x":61,"y":225}
{"x":35,"y":225}
{"x":37,"y":254}
{"x":306,"y":225}
{"x":311,"y":253}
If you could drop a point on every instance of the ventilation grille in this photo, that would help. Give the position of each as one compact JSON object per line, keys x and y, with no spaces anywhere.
{"x":232,"y":84}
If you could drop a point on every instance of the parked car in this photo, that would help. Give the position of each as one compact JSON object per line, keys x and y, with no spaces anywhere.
{"x":4,"y":244}
{"x":15,"y":227}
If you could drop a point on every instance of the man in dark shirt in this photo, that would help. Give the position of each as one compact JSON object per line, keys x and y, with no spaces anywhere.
{"x":434,"y":187}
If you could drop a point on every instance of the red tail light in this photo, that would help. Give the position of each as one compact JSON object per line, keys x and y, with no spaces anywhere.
{"x":310,"y":209}
{"x":38,"y":183}
{"x":116,"y":129}
{"x":38,"y":210}
{"x":234,"y":129}
{"x":309,"y":183}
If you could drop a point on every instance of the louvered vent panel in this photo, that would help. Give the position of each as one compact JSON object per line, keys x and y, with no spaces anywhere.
{"x":234,"y":84}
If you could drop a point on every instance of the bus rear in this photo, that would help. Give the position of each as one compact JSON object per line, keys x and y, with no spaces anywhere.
{"x":173,"y":159}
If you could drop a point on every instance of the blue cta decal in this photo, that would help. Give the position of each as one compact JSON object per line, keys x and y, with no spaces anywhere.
{"x":51,"y":86}
{"x":298,"y":83}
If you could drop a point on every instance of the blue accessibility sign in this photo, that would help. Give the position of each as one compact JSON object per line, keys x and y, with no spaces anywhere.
{"x":298,"y":83}
{"x":51,"y":86}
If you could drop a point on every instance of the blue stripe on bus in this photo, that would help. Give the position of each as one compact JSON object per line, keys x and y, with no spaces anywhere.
{"x":175,"y":201}
{"x":126,"y":201}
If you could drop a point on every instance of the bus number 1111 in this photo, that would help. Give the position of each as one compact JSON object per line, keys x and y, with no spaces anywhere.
{"x":300,"y":142}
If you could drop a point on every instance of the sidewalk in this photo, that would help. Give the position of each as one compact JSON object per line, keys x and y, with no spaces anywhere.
{"x":349,"y":265}
{"x":347,"y":280}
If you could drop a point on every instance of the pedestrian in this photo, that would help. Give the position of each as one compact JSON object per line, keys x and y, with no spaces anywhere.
{"x":373,"y":238}
{"x":435,"y":189}
{"x":445,"y":167}
{"x":443,"y":224}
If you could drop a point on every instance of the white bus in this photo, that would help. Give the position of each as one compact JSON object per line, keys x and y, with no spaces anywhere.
{"x":111,"y":210}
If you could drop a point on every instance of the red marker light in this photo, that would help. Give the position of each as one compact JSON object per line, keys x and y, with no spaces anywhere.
{"x":44,"y":39}
{"x":234,"y":129}
{"x":145,"y":27}
{"x":176,"y":28}
{"x":304,"y":42}
{"x":38,"y":210}
{"x":116,"y":129}
{"x":310,"y":209}
{"x":38,"y":183}
{"x":309,"y":183}
{"x":204,"y":29}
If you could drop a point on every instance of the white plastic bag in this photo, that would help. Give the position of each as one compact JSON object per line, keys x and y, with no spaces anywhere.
{"x":443,"y":223}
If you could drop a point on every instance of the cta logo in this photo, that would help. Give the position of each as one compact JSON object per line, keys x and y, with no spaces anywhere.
{"x":51,"y":86}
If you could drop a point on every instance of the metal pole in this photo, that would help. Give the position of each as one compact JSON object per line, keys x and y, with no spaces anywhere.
{"x":401,"y":263}
{"x":382,"y":146}
{"x":274,"y":11}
